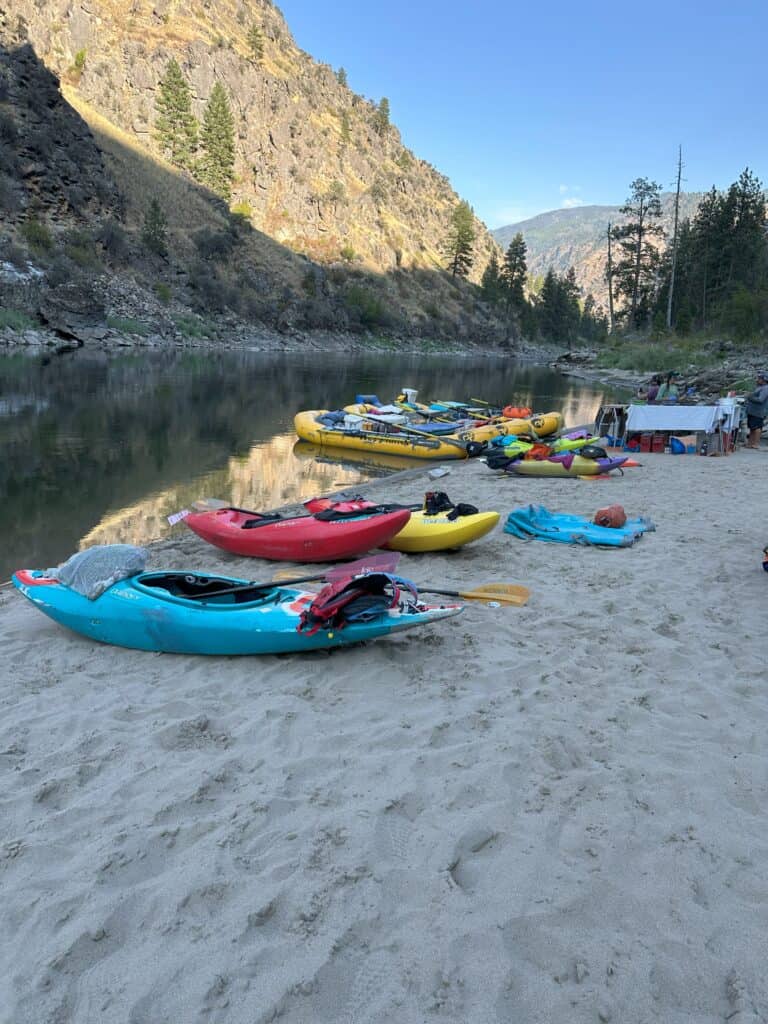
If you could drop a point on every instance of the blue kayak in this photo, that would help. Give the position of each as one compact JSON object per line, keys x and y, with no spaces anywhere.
{"x":192,"y":613}
{"x":537,"y":522}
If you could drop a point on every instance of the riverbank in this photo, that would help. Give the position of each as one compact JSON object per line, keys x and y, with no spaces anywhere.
{"x":112,"y":339}
{"x":539,"y":814}
{"x":711,"y":371}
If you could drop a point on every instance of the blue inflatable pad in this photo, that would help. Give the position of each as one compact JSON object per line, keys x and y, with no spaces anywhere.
{"x":536,"y":522}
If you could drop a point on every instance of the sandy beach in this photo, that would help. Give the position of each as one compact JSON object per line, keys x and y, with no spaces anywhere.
{"x":546,"y":815}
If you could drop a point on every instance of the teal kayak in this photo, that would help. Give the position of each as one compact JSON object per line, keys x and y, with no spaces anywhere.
{"x":536,"y":522}
{"x":192,"y":613}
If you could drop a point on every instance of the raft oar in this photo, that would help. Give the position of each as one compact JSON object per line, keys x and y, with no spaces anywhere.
{"x":499,"y":593}
{"x":386,"y":562}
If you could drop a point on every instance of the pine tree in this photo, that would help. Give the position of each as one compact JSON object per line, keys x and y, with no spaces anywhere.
{"x":255,"y":41}
{"x":634,"y":272}
{"x":459,"y":246}
{"x":491,"y":284}
{"x":341,"y":76}
{"x":154,"y":233}
{"x":381,"y":117}
{"x":176,"y":127}
{"x":515,"y":272}
{"x":216,"y":167}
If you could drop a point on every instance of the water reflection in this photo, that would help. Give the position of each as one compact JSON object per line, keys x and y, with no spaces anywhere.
{"x":96,"y":449}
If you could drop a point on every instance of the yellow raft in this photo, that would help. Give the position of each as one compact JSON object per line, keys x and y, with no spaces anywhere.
{"x":405,"y":441}
{"x":542,"y":426}
{"x":439,"y":533}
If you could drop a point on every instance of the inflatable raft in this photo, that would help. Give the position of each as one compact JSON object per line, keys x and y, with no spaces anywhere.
{"x":173,"y":612}
{"x":367,"y":437}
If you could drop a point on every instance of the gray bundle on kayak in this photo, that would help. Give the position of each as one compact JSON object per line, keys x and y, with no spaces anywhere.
{"x":94,"y":570}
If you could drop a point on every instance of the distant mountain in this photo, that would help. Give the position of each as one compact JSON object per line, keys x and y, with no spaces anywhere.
{"x":577,"y":238}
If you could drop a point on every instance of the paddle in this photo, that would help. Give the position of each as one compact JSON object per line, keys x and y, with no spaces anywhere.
{"x":498,"y":593}
{"x":501,"y":593}
{"x":386,"y":562}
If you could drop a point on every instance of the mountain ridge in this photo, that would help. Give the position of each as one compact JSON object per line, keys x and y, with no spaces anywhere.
{"x":577,"y":237}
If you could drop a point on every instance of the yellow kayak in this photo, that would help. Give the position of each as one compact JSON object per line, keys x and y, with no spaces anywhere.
{"x":579,"y":466}
{"x":400,"y":441}
{"x":439,"y":533}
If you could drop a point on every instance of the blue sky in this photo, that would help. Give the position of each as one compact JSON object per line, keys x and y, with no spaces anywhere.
{"x":530,"y":107}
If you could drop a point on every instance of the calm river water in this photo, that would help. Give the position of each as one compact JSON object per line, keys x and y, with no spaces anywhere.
{"x":97,"y":449}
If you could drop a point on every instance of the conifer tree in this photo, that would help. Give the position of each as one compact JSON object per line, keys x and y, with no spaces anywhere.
{"x":216,"y":167}
{"x":515,"y":272}
{"x":176,"y":127}
{"x":154,"y":232}
{"x":491,"y":284}
{"x":634,"y":272}
{"x":341,"y":76}
{"x":459,"y":246}
{"x":381,"y":118}
{"x":255,"y":41}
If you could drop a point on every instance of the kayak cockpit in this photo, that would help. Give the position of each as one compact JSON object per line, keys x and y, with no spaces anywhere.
{"x":206,"y":590}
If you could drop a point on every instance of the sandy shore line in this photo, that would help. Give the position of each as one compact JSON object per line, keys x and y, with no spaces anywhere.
{"x":553,"y":813}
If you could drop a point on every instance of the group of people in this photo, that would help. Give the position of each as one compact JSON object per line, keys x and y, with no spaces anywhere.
{"x":660,"y":389}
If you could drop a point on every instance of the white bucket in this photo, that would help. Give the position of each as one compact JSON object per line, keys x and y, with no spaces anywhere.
{"x":411,"y":395}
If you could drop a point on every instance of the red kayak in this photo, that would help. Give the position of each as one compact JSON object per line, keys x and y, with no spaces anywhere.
{"x":324,"y":537}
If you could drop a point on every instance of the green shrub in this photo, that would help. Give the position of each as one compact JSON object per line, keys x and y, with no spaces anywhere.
{"x":309,"y":283}
{"x":347,"y":253}
{"x":80,"y":247}
{"x":16,"y":319}
{"x":80,"y":57}
{"x":243,"y":210}
{"x":163,"y":292}
{"x":336,"y":192}
{"x":191,"y":327}
{"x":366,"y":307}
{"x":128,"y":325}
{"x":36,"y":235}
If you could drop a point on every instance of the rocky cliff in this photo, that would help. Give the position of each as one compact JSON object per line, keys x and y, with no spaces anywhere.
{"x":315,"y":169}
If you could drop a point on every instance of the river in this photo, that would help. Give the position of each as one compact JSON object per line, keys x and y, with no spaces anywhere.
{"x":98,"y":449}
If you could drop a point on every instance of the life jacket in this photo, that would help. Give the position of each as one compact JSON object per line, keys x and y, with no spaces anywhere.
{"x":327,"y":511}
{"x":436,"y":502}
{"x":537,"y":452}
{"x":354,"y":599}
{"x":515,"y":412}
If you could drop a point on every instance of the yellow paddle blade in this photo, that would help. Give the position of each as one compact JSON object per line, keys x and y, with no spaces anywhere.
{"x":502,"y":593}
{"x":283,"y":574}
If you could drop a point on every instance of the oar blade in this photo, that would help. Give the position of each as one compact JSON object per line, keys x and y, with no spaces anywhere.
{"x":502,"y":593}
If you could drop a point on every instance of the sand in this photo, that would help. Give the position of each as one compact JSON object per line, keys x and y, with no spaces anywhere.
{"x":547,"y":814}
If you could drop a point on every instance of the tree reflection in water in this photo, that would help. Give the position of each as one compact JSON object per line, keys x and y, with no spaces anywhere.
{"x":99,"y":449}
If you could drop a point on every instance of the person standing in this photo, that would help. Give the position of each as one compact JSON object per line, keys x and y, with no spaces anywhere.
{"x":669,"y":391}
{"x":756,"y":408}
{"x":653,"y":389}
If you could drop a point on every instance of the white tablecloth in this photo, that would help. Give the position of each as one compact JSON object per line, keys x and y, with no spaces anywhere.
{"x":680,"y":419}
